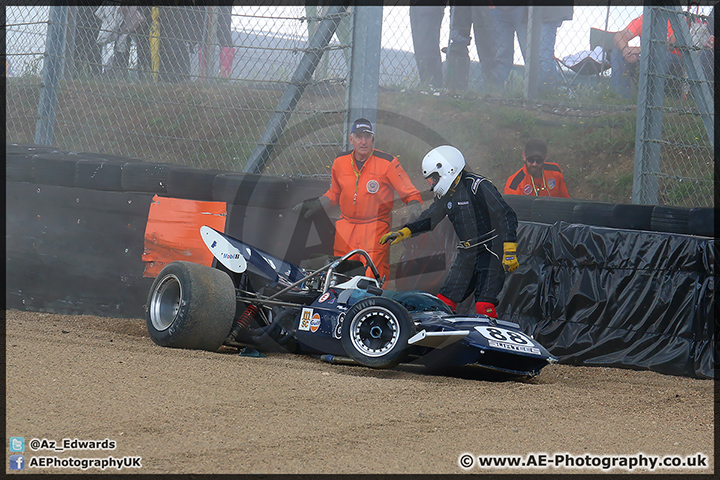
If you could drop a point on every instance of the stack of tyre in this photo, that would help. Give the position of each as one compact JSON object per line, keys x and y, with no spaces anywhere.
{"x":659,"y":218}
{"x":95,"y":171}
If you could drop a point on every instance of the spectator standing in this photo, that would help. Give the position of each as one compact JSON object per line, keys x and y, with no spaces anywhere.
{"x":551,"y":18}
{"x":481,"y":219}
{"x":509,"y":20}
{"x":224,"y":40}
{"x":142,"y":41}
{"x":537,"y":177}
{"x":463,"y":18}
{"x":364,"y":181}
{"x":118,"y":24}
{"x":180,"y":28}
{"x":425,"y":22}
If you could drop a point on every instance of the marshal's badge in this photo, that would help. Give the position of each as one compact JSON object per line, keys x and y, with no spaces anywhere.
{"x":372,"y":186}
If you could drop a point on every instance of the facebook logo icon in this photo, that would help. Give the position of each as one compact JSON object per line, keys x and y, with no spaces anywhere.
{"x":17,"y":462}
{"x":17,"y":444}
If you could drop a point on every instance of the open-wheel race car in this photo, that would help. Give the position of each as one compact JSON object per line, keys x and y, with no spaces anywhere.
{"x":251,"y":299}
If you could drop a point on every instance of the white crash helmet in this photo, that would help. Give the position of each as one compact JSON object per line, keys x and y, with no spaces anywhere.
{"x":447,"y":162}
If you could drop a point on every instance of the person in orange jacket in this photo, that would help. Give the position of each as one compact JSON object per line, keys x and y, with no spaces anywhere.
{"x":364,"y":181}
{"x":537,"y":177}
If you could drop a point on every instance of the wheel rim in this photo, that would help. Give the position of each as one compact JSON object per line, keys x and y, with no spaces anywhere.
{"x":374,"y":331}
{"x":165,"y":302}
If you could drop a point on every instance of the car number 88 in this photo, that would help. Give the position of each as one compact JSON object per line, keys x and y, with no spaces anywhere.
{"x":502,"y":335}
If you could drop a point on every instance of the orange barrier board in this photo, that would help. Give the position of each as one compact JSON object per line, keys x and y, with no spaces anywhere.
{"x":173,"y":231}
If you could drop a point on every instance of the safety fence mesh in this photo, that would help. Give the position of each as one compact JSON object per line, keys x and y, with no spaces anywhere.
{"x":197,"y":86}
{"x":184,"y":85}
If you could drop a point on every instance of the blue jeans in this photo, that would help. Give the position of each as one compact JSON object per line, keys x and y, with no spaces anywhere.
{"x":622,"y":71}
{"x":548,"y":75}
{"x":508,"y":21}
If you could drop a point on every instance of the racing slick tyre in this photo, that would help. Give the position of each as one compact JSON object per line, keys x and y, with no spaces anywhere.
{"x":190,"y":306}
{"x":376,"y":331}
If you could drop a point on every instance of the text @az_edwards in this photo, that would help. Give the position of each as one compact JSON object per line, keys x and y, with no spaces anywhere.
{"x":71,"y":444}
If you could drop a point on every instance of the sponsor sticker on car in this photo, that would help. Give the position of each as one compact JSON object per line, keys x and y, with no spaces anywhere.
{"x":315,"y":323}
{"x":507,"y":339}
{"x":305,"y":318}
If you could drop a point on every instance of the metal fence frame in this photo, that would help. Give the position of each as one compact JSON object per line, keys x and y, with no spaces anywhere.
{"x":361,"y":90}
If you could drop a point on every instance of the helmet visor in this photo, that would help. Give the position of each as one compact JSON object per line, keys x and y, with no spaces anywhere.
{"x":433,"y":179}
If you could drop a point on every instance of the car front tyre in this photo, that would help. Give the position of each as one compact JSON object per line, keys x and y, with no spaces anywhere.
{"x":375,"y":332}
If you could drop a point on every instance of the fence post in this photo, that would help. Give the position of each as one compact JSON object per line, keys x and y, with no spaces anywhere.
{"x":364,"y":78}
{"x":651,"y":96}
{"x":70,"y":68}
{"x":533,"y":52}
{"x":52,"y":72}
{"x":301,"y":77}
{"x":694,"y":72}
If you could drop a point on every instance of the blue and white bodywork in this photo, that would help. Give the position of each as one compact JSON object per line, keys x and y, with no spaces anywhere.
{"x":336,"y":311}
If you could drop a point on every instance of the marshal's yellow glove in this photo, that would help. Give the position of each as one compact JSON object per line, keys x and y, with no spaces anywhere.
{"x":395,"y":237}
{"x":509,"y":260}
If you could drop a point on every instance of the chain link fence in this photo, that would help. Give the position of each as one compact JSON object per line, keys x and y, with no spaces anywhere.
{"x":183,"y":85}
{"x":197,"y":86}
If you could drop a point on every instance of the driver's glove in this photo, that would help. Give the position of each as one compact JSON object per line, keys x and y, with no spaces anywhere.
{"x":308,"y":208}
{"x":395,"y":237}
{"x":509,"y":260}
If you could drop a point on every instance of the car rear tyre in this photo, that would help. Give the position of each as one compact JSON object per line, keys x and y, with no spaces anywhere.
{"x":190,"y":306}
{"x":376,"y":331}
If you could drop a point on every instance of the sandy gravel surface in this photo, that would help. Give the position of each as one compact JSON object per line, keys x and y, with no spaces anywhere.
{"x":198,"y":412}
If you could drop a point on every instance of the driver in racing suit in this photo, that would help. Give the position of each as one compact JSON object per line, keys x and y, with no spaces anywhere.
{"x":481,"y":219}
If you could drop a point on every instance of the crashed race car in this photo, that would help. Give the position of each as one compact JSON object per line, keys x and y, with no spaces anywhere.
{"x":251,"y":299}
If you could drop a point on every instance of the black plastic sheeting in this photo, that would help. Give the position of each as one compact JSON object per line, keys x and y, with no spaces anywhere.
{"x":598,"y":296}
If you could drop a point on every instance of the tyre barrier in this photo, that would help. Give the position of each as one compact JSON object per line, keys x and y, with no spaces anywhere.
{"x":192,"y":183}
{"x":18,"y":167}
{"x":670,"y":219}
{"x":551,"y":210}
{"x":99,"y":174}
{"x":98,"y":171}
{"x":54,"y":169}
{"x":145,"y":177}
{"x":594,"y":213}
{"x":632,"y":217}
{"x":701,"y":221}
{"x":251,"y":190}
{"x":522,"y":204}
{"x":79,"y":250}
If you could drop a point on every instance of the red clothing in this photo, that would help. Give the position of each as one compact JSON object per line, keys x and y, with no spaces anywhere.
{"x":366,"y":199}
{"x":551,"y":185}
{"x":635,"y":27}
